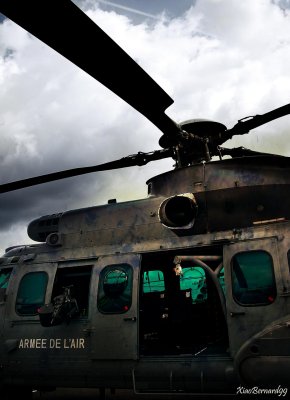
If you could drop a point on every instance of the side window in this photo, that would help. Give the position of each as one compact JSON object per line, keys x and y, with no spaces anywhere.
{"x":115,"y":289}
{"x":193,"y":279}
{"x":253,"y":278}
{"x":77,"y":279}
{"x":31,"y":293}
{"x":153,"y":281}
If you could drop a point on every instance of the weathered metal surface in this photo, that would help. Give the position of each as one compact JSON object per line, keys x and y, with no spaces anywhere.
{"x":237,"y":212}
{"x":243,"y":198}
{"x":225,"y":174}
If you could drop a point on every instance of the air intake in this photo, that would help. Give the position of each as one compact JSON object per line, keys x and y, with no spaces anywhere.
{"x":178,"y":212}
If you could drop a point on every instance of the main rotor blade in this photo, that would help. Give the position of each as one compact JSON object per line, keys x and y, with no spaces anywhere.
{"x":129,"y":161}
{"x":69,"y":31}
{"x":249,"y":123}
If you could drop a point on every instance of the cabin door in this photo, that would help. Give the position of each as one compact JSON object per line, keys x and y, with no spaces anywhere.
{"x":116,"y":314}
{"x":253,"y":288}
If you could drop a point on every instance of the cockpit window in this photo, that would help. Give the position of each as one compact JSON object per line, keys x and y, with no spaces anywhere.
{"x":221,"y":278}
{"x":31,"y":293}
{"x":4,"y":278}
{"x":115,"y":289}
{"x":253,"y":280}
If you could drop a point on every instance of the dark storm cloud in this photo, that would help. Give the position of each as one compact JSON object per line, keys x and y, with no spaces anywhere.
{"x":53,"y":116}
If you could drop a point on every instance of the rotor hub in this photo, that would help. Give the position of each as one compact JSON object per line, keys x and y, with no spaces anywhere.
{"x":203,"y":127}
{"x":198,"y":140}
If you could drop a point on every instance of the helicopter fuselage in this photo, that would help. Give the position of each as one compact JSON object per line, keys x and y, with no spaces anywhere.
{"x":186,"y":291}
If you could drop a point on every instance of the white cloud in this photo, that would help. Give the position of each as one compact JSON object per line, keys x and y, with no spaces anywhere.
{"x":222,"y":60}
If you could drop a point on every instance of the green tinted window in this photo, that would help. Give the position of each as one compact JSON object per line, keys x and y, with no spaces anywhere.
{"x":31,"y":293}
{"x":153,"y":281}
{"x":4,"y":278}
{"x":221,"y":278}
{"x":253,"y":278}
{"x":115,"y":289}
{"x":194,"y":279}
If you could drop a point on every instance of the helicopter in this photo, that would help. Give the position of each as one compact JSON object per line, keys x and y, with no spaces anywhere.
{"x":183,"y":292}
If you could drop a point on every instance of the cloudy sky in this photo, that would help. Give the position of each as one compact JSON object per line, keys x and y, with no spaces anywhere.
{"x":218,"y":59}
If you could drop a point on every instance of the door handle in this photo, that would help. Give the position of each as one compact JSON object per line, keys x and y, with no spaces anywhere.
{"x":88,"y":331}
{"x":236,"y":313}
{"x":132,"y":319}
